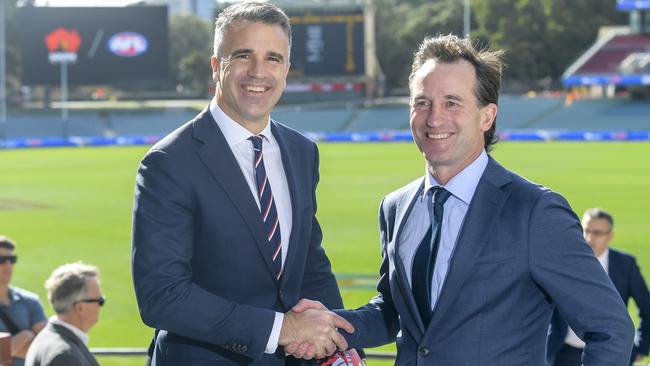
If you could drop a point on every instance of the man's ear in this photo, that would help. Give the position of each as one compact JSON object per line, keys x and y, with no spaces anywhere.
{"x":216,"y":67}
{"x":488,"y":115}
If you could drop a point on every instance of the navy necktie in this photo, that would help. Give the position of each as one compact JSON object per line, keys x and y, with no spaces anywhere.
{"x":425,"y":257}
{"x":268,"y":211}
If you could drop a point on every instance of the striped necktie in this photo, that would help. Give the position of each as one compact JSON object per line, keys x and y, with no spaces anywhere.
{"x":268,"y":211}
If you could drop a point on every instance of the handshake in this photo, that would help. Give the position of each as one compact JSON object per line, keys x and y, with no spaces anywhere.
{"x":310,"y":330}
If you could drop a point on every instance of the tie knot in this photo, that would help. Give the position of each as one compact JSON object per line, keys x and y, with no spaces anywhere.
{"x":257,"y":142}
{"x":440,"y":195}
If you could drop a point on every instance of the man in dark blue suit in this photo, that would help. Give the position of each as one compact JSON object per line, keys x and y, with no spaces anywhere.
{"x":564,"y":347}
{"x":225,"y":238}
{"x":475,"y":258}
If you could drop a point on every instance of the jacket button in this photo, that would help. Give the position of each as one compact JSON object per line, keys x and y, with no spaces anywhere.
{"x":423,"y":351}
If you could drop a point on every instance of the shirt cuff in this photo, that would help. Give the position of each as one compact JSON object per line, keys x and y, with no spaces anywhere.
{"x":272,"y":344}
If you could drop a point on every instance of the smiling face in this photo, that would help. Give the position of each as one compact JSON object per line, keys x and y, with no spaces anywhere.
{"x":251,"y":72}
{"x":446,"y":121}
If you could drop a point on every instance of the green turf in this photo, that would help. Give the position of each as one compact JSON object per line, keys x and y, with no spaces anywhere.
{"x":64,"y":205}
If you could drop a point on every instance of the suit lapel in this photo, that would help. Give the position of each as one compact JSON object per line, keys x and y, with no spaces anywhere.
{"x":288,"y":163}
{"x":481,"y":216}
{"x":615,"y":271}
{"x":218,"y":158}
{"x":404,"y":208}
{"x":71,"y":338}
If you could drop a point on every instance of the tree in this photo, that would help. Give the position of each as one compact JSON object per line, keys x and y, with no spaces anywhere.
{"x":190,"y":40}
{"x":522,"y":35}
{"x":403,"y":26}
{"x":573,"y":26}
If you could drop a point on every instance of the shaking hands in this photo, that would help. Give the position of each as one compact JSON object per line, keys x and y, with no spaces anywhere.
{"x":310,"y":330}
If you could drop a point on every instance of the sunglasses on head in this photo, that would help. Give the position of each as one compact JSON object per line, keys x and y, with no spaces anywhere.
{"x":11,"y":258}
{"x":100,"y":300}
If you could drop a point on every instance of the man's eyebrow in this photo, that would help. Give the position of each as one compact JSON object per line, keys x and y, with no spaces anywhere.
{"x":279,"y":56}
{"x":454,"y":97}
{"x":240,"y":51}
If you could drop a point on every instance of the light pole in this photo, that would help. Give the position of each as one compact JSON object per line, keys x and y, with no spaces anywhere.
{"x":3,"y":75}
{"x":466,"y":18}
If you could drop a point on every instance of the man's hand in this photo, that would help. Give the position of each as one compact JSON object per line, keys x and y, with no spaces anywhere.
{"x":20,"y":343}
{"x":309,"y":330}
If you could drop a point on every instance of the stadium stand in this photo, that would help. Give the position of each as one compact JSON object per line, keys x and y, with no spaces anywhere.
{"x":599,"y":114}
{"x":608,"y":58}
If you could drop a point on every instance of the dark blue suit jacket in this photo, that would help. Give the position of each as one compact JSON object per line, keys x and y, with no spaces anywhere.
{"x":520,"y":252}
{"x":199,"y":270}
{"x":627,"y":278}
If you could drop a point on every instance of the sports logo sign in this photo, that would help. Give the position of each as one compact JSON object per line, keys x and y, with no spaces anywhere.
{"x":128,"y":44}
{"x":62,"y":45}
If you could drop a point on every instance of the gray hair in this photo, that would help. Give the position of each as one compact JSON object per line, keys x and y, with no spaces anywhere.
{"x":249,"y":11}
{"x":599,"y":213}
{"x":67,"y":285}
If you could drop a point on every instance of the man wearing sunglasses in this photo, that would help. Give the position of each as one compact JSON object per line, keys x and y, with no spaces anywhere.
{"x":73,"y":290}
{"x":21,"y":312}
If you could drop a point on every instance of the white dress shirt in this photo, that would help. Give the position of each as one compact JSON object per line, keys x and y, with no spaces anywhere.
{"x":462,"y":188}
{"x":237,"y":138}
{"x":571,"y":337}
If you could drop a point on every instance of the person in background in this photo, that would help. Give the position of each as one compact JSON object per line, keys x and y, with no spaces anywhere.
{"x":74,"y":293}
{"x":564,"y":348}
{"x":21,"y":312}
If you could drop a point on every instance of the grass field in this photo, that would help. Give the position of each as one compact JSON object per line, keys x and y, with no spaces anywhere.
{"x":64,"y":205}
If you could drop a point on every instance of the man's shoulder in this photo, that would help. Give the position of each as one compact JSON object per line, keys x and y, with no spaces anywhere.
{"x":620,"y":255}
{"x":50,"y":341}
{"x":515,"y":184}
{"x":403,"y":192}
{"x":23,"y":295}
{"x":294,"y":136}
{"x":180,"y":135}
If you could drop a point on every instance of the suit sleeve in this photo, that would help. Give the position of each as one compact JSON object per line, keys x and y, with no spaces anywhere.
{"x":375,"y":323}
{"x":319,"y":282}
{"x":565,"y":267}
{"x":162,"y":271}
{"x":641,"y":296}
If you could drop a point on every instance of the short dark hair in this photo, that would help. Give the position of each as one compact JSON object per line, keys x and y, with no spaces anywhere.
{"x":488,"y":65}
{"x":7,"y":243}
{"x":599,"y":213}
{"x":249,"y":11}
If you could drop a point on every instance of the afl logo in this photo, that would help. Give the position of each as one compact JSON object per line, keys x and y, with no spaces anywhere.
{"x":128,"y":44}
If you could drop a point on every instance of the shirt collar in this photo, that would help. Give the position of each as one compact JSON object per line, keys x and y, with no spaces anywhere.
{"x":462,"y":185}
{"x":235,"y":133}
{"x":13,"y":295}
{"x":76,"y":331}
{"x":604,"y":259}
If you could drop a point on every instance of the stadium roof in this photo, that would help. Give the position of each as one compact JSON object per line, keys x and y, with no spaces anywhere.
{"x":618,"y":58}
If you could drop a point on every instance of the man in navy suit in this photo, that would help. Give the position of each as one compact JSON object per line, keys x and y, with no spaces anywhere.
{"x":564,"y":347}
{"x":225,"y":238}
{"x":475,"y":258}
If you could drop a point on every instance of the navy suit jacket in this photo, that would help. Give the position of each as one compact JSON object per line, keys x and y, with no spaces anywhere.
{"x":519,"y":253}
{"x":200,"y":273}
{"x":627,"y":278}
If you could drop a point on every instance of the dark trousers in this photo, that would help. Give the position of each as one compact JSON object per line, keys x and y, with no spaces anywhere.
{"x":568,"y":356}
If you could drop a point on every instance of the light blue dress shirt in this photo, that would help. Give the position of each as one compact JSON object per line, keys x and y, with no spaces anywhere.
{"x":462,"y":188}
